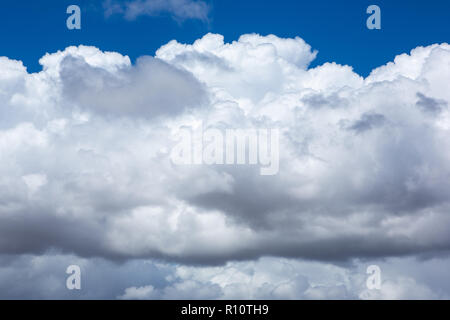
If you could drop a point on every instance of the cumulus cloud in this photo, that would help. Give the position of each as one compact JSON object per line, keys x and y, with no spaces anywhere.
{"x":85,"y":164}
{"x":179,"y":9}
{"x":271,"y":278}
{"x":265,"y":278}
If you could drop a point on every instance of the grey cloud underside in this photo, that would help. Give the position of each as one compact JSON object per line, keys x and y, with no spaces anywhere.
{"x":48,"y":234}
{"x":150,"y":89}
{"x":85,"y":163}
{"x":367,"y":122}
{"x":430,"y":105}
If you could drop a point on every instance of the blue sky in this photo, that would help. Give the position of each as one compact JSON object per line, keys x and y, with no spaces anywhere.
{"x":335,"y":28}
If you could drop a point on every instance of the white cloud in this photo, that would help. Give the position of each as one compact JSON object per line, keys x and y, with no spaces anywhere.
{"x":272,"y":278}
{"x":249,"y":68}
{"x":138,"y":293}
{"x":400,"y":289}
{"x":363,"y":171}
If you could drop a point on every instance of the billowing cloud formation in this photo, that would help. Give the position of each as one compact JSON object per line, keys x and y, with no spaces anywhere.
{"x":85,"y":148}
{"x":44,"y":277}
{"x":179,"y":9}
{"x":271,"y":278}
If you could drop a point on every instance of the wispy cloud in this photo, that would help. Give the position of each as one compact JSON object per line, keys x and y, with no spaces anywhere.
{"x":180,"y":10}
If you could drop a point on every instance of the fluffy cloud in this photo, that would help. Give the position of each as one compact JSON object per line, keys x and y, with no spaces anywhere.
{"x":44,"y":277}
{"x":271,"y":278}
{"x":85,"y":163}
